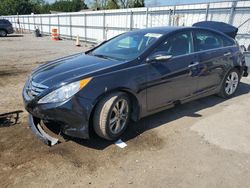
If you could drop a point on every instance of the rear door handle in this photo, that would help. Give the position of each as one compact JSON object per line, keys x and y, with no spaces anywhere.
{"x":193,"y":64}
{"x":227,"y":54}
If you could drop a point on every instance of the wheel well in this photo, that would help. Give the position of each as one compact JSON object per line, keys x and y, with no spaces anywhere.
{"x":238,"y":68}
{"x":135,"y":106}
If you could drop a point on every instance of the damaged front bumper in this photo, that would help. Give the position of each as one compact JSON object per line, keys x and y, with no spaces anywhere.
{"x":35,"y":125}
{"x":71,"y":117}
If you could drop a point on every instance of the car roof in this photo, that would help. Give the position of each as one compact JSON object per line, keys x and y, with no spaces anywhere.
{"x":162,"y":30}
{"x":4,"y":20}
{"x":169,"y":29}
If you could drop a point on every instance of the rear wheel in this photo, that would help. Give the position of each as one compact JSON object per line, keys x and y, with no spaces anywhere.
{"x":3,"y":33}
{"x":230,"y":84}
{"x":112,"y":116}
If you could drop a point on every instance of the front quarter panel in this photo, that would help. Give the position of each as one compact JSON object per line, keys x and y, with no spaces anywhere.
{"x":132,"y":80}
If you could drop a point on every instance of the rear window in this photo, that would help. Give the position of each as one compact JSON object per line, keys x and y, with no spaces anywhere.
{"x":227,"y":42}
{"x":4,"y":22}
{"x":205,"y":40}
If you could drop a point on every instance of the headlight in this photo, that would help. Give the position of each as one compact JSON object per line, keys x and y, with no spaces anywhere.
{"x":65,"y":92}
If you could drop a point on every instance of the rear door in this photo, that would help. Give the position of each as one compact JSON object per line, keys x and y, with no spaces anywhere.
{"x":213,"y":59}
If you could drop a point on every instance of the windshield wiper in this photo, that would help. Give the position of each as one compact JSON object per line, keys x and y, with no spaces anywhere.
{"x":106,"y":57}
{"x":102,"y":56}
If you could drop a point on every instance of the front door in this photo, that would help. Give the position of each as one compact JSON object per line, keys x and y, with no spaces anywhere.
{"x":173,"y":79}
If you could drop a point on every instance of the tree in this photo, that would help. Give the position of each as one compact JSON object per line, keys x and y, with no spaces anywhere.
{"x":115,"y":4}
{"x":78,"y":5}
{"x":112,"y":4}
{"x":131,"y":3}
{"x":11,"y":7}
{"x":68,"y":6}
{"x":99,"y":4}
{"x":38,"y":6}
{"x":138,"y":3}
{"x":124,"y":3}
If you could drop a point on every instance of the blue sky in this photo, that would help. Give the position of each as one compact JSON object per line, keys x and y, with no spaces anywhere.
{"x":161,"y":2}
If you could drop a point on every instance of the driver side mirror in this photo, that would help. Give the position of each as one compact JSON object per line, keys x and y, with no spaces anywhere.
{"x":158,"y":58}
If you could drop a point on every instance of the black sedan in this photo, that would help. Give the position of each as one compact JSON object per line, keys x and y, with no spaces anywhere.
{"x":129,"y":77}
{"x":5,"y":28}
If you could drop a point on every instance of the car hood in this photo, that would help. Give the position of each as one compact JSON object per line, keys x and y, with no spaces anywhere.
{"x":70,"y":68}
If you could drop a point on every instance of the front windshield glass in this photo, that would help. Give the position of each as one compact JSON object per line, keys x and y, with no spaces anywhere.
{"x":126,"y":46}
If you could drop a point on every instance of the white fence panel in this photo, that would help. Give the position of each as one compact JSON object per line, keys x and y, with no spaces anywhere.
{"x":96,"y":26}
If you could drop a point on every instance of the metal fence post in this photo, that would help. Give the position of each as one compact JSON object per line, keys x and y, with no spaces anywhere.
{"x":173,"y":22}
{"x":70,"y":26}
{"x":28,"y":22}
{"x":131,"y":21}
{"x":207,"y":11}
{"x":16,"y":18}
{"x":147,"y":17}
{"x":170,"y":17}
{"x":104,"y":27}
{"x":34,"y":22}
{"x":23,"y":23}
{"x":85,"y":27}
{"x":151,"y":18}
{"x":231,"y":17}
{"x":41,"y":24}
{"x":58,"y":25}
{"x":49,"y":25}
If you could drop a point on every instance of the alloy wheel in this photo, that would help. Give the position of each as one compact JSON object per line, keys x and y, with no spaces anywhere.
{"x":2,"y":33}
{"x":232,"y":82}
{"x":118,"y":116}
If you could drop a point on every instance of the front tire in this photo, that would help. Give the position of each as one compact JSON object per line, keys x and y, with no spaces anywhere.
{"x":112,"y":115}
{"x":230,"y":84}
{"x":3,"y":33}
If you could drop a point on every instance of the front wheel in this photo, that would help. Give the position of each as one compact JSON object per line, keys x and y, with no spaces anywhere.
{"x":112,"y":116}
{"x":3,"y":33}
{"x":230,"y":84}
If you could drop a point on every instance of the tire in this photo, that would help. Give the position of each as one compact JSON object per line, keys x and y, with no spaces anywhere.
{"x":109,"y":109}
{"x":3,"y":33}
{"x":230,"y":84}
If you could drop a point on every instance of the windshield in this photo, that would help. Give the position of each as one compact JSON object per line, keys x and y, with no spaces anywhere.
{"x":126,"y":46}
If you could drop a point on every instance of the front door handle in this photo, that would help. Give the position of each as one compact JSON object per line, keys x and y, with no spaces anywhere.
{"x":227,"y":54}
{"x":193,"y":64}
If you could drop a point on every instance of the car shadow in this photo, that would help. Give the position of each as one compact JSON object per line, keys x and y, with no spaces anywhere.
{"x":14,"y":35}
{"x":10,"y":118}
{"x":160,"y":119}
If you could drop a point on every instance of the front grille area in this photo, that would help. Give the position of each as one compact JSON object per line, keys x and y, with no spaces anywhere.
{"x":34,"y":89}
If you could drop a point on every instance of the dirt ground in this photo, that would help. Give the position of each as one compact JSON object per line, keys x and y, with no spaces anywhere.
{"x":205,"y":143}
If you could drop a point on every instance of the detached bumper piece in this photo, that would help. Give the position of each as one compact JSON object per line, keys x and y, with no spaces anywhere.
{"x":246,"y":71}
{"x":35,"y":125}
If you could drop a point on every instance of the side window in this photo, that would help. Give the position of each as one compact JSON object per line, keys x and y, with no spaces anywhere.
{"x":4,"y":22}
{"x":227,"y":42}
{"x":178,"y":44}
{"x":205,"y":40}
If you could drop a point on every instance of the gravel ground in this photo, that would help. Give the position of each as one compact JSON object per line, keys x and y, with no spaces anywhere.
{"x":205,"y":143}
